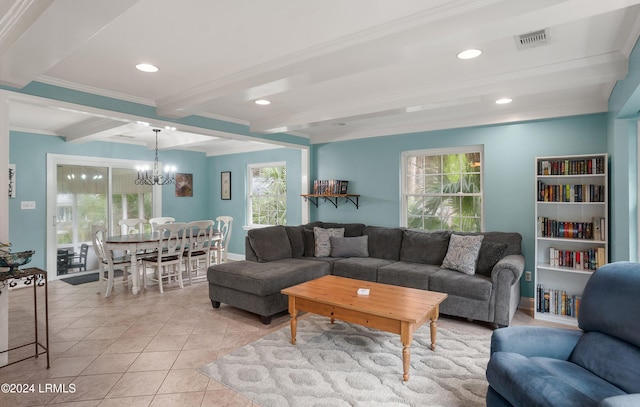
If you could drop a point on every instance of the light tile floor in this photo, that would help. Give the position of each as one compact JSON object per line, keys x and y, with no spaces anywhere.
{"x":136,"y":350}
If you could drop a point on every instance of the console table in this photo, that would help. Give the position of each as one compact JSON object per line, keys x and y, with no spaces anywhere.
{"x":33,"y":272}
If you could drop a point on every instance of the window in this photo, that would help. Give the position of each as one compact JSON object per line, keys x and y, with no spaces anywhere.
{"x":442,"y":189}
{"x":267,"y":203}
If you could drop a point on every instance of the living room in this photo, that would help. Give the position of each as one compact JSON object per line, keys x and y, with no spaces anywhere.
{"x":371,"y":164}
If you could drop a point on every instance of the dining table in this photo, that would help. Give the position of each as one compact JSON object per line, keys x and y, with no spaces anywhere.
{"x":135,"y":244}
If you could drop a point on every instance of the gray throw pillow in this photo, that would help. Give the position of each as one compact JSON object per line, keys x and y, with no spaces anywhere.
{"x":349,"y":246}
{"x":323,"y":244}
{"x":490,"y":254}
{"x":462,"y":254}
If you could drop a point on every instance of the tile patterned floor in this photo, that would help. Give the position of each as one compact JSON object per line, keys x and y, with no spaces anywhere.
{"x":140,"y":350}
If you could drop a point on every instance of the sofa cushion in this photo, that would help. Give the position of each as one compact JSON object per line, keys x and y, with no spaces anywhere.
{"x":360,"y":268}
{"x":407,"y":274}
{"x":322,"y":236}
{"x":350,"y":229}
{"x":614,"y":360}
{"x":265,"y":278}
{"x":309,"y":241}
{"x":511,"y":239}
{"x":270,"y":243}
{"x":356,"y":246}
{"x":490,"y":254}
{"x":424,"y":247}
{"x":384,"y":243}
{"x":462,"y":285}
{"x":296,"y":240}
{"x":462,"y":254}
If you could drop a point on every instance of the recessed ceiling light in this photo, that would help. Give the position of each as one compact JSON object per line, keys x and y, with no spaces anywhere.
{"x":147,"y":68}
{"x":469,"y":54}
{"x":262,"y":102}
{"x":503,"y":101}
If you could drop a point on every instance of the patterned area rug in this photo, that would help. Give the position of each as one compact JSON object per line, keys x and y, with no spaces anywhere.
{"x":350,"y":365}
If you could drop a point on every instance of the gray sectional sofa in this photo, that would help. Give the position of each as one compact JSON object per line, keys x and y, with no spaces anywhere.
{"x":282,"y":256}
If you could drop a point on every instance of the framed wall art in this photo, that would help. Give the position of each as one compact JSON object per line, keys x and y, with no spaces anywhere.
{"x":184,"y":184}
{"x":225,"y":185}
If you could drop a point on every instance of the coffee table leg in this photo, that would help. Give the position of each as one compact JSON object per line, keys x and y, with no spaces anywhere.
{"x":406,"y":336}
{"x":294,"y":321}
{"x":434,"y":330}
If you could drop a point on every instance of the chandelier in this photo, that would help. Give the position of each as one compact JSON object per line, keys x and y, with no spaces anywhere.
{"x":155,"y":176}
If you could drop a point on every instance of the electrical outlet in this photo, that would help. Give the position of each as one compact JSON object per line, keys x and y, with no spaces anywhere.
{"x":527,"y":276}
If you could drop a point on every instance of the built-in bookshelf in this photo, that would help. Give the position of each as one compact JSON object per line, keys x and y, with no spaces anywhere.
{"x":571,"y":215}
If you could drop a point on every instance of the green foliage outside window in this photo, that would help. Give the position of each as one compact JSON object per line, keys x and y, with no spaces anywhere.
{"x":269,"y":195}
{"x":444,"y":192}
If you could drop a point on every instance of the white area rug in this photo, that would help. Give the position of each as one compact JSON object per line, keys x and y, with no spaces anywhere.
{"x":350,"y":365}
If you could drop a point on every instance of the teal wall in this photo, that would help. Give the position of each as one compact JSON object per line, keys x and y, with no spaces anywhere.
{"x":237,"y":164}
{"x":372,"y":167}
{"x":624,"y":105}
{"x":27,"y":228}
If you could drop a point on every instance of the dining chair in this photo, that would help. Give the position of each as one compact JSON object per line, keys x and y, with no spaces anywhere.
{"x":200,"y":241}
{"x":168,"y":258}
{"x":79,"y":261}
{"x":129,"y":226}
{"x":225,"y":224}
{"x":107,"y":260}
{"x":155,"y":222}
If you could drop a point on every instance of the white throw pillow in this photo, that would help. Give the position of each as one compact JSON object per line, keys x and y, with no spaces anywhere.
{"x":462,"y":254}
{"x":323,"y":244}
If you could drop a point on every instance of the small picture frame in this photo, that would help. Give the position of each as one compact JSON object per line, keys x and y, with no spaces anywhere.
{"x":184,"y":185}
{"x":225,"y":185}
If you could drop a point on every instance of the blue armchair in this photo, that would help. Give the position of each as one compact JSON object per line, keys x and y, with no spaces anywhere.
{"x":598,"y":365}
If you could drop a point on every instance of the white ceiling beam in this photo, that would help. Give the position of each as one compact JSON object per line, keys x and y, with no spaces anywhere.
{"x":44,"y":25}
{"x":405,"y":40}
{"x":565,"y":75}
{"x":89,"y":129}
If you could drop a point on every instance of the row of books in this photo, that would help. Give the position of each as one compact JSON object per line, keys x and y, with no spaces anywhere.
{"x":330,"y":187}
{"x":557,"y":302}
{"x":572,"y":230}
{"x":570,"y":193}
{"x":572,"y":167}
{"x":590,"y":259}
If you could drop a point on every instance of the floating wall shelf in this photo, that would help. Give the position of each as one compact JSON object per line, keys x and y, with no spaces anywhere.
{"x":333,"y":198}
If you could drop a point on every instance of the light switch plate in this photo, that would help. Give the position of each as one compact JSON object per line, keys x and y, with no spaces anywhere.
{"x":28,"y":205}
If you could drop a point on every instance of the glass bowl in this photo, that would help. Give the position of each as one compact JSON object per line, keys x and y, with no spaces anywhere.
{"x":15,"y":260}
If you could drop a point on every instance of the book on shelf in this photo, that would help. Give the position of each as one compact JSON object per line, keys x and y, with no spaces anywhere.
{"x":570,"y":193}
{"x":330,"y":187}
{"x":584,"y":260}
{"x":557,"y":302}
{"x":565,"y":229}
{"x":584,"y":166}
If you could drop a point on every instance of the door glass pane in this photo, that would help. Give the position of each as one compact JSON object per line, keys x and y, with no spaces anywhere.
{"x":81,"y":202}
{"x":129,"y":200}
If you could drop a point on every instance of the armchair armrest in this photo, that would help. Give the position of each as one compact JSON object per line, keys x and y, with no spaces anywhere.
{"x":509,"y":268}
{"x":628,"y":400}
{"x":532,"y":341}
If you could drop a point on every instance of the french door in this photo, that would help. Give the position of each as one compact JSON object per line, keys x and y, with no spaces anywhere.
{"x":86,"y":191}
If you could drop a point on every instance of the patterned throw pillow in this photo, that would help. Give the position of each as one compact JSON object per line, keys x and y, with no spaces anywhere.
{"x":462,"y":254}
{"x":323,"y":244}
{"x":490,"y":254}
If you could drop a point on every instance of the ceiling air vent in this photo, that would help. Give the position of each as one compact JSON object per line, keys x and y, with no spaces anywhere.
{"x":532,"y":39}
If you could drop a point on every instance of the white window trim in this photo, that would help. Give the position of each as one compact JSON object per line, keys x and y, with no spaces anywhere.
{"x":250,"y":225}
{"x":437,"y":151}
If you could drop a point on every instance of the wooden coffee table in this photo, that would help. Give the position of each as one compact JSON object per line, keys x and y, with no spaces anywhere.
{"x":390,"y":308}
